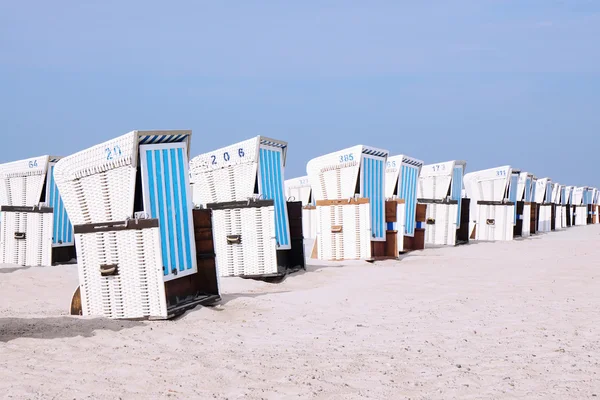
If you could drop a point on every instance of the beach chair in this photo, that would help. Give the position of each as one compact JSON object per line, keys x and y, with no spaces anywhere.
{"x":257,"y":232}
{"x":138,"y":253}
{"x":440,"y":188}
{"x":35,"y":228}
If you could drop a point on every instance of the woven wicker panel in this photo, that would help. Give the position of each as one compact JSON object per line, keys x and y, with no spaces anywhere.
{"x":555,"y":192}
{"x":256,"y":254}
{"x":337,"y":239}
{"x":526,"y":229}
{"x":351,"y":232}
{"x":20,"y":246}
{"x":559,"y":217}
{"x":105,"y":196}
{"x":580,"y":215}
{"x":34,"y":185}
{"x":348,"y":178}
{"x":434,"y":180}
{"x":39,"y":239}
{"x":98,"y":184}
{"x":334,"y":176}
{"x":524,"y":180}
{"x":268,"y":247}
{"x":487,"y":185}
{"x":545,"y":216}
{"x":485,"y":231}
{"x":238,"y":153}
{"x":232,"y":183}
{"x":443,"y":230}
{"x":332,"y":184}
{"x":226,"y":174}
{"x":36,"y":249}
{"x":114,"y":153}
{"x":21,"y":182}
{"x":577,"y":196}
{"x":138,"y":289}
{"x":309,"y":223}
{"x":16,"y":191}
{"x":9,"y":224}
{"x":540,"y":190}
{"x":564,"y":211}
{"x":503,"y":217}
{"x":352,"y":236}
{"x":364,"y":224}
{"x":229,"y":257}
{"x":325,"y":220}
{"x":400,"y":225}
{"x":353,"y":242}
{"x":298,"y":189}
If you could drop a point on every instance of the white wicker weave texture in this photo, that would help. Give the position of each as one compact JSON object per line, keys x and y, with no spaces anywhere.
{"x":580,"y":215}
{"x":526,"y":230}
{"x":227,"y":174}
{"x":434,"y":180}
{"x":9,"y":249}
{"x":353,"y":242}
{"x":309,"y":223}
{"x":232,"y":183}
{"x":400,"y":225}
{"x":559,"y":217}
{"x":334,"y":176}
{"x":98,"y":184}
{"x":21,"y":182}
{"x":443,"y":230}
{"x":545,"y":218}
{"x":137,"y":291}
{"x":326,"y":244}
{"x":38,"y":241}
{"x":502,"y":226}
{"x":35,"y":249}
{"x":256,"y":254}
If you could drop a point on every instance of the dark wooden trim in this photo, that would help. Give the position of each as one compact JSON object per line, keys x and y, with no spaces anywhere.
{"x":228,"y":205}
{"x":344,"y":202}
{"x":33,"y":209}
{"x":437,"y":201}
{"x":116,"y":226}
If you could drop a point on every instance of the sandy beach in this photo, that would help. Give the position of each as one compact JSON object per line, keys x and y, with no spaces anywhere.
{"x":512,"y":320}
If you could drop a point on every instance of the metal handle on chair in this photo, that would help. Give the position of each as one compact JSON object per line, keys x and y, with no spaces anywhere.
{"x":234,"y":239}
{"x":109,"y":269}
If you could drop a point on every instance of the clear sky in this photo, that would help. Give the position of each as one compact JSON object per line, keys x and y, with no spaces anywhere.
{"x":491,"y":82}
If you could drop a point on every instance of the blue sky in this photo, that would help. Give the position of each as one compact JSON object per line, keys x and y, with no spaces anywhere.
{"x":491,"y":82}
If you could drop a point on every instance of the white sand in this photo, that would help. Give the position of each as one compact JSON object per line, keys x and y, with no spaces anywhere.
{"x":483,"y":321}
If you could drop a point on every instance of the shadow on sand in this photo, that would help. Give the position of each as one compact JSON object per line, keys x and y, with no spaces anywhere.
{"x":8,"y":270}
{"x":59,"y":327}
{"x":227,"y":297}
